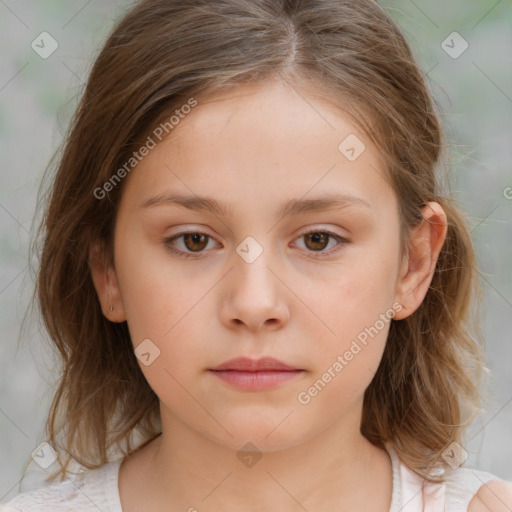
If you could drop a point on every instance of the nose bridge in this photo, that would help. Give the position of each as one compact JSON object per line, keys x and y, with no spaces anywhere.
{"x":252,"y":262}
{"x":253,"y":296}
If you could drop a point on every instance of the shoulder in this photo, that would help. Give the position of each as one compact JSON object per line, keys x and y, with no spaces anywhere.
{"x":462,"y":489}
{"x":83,"y":492}
{"x":56,"y":496}
{"x":493,"y":496}
{"x":473,"y":490}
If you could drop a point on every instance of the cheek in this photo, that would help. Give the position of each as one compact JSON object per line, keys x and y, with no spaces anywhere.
{"x":356,"y":296}
{"x":356,"y":310}
{"x":346,"y":362}
{"x":167,"y":308}
{"x":171,"y":325}
{"x":154,"y":292}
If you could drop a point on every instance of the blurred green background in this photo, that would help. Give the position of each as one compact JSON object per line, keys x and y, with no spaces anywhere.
{"x":37,"y":98}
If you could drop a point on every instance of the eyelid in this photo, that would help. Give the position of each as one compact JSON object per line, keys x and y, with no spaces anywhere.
{"x":199,"y":229}
{"x":319,"y":229}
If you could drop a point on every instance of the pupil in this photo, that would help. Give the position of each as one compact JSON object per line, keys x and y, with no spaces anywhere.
{"x":318,"y":238}
{"x":196,"y":238}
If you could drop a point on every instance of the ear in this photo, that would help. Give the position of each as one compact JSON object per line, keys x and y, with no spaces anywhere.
{"x":105,"y":282}
{"x":418,"y":265}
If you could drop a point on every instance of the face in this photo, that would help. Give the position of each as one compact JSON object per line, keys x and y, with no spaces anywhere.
{"x":313,"y":285}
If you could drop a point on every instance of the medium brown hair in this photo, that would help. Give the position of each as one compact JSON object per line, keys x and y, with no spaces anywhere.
{"x":426,"y":390}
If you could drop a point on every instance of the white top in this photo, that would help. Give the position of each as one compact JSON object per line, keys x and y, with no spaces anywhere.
{"x":93,"y":490}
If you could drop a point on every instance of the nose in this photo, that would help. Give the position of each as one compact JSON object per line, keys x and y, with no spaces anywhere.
{"x":253,"y":296}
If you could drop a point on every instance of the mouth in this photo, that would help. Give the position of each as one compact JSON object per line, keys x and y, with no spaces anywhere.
{"x":254,"y":375}
{"x":246,"y":364}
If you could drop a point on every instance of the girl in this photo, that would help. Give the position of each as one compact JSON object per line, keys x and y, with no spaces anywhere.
{"x":249,"y":266}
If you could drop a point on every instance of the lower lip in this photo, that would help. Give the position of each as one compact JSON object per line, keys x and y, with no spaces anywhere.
{"x":254,"y":381}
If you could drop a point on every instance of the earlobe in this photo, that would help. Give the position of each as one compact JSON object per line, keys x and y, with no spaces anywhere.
{"x":105,"y":282}
{"x":419,"y":264}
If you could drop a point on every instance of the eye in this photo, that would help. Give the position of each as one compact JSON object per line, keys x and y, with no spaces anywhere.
{"x":193,"y":241}
{"x":318,"y":240}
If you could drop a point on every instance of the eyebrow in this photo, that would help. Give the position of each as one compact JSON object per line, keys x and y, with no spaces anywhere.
{"x":289,"y":208}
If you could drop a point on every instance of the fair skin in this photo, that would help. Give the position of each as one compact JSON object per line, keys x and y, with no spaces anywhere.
{"x":495,"y":496}
{"x":253,"y":151}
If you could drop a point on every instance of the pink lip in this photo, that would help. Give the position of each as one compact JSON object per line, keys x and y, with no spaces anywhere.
{"x":255,"y":374}
{"x":254,"y":365}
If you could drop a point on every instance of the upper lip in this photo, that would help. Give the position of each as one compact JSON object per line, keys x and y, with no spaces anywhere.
{"x":254,"y":365}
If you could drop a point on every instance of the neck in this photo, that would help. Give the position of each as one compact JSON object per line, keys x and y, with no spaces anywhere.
{"x":337,"y":469}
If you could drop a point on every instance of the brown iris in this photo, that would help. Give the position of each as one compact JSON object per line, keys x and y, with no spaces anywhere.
{"x":195,"y":241}
{"x":319,"y":240}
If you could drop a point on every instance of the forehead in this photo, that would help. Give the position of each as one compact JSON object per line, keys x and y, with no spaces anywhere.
{"x":259,"y":142}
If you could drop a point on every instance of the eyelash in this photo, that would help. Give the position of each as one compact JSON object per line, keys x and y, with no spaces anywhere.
{"x":317,"y":254}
